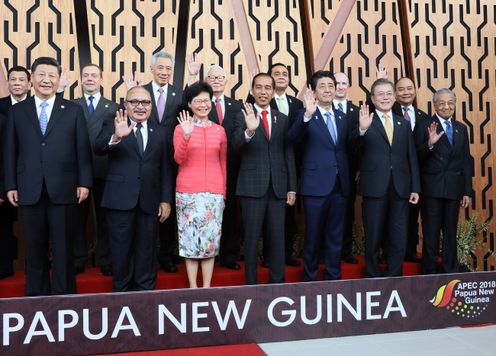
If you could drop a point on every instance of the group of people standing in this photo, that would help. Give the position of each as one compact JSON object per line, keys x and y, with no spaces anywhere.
{"x":169,"y":160}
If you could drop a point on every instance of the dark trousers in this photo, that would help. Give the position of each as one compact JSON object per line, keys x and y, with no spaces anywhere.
{"x":255,"y":212}
{"x":46,"y":223}
{"x":378,"y":214}
{"x":132,"y":236}
{"x":8,"y":241}
{"x":229,"y":240}
{"x":439,"y":214}
{"x":290,"y":229}
{"x":347,"y":249}
{"x":413,"y":230}
{"x":324,"y":222}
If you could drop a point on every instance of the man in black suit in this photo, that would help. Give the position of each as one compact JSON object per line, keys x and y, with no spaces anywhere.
{"x":389,"y":178}
{"x":97,"y":110}
{"x":267,"y":177}
{"x":446,"y":175}
{"x":138,"y":187}
{"x":289,"y":106}
{"x":47,"y":172}
{"x":18,"y":81}
{"x":342,"y":103}
{"x":405,"y":93}
{"x":226,"y":112}
{"x":166,"y":103}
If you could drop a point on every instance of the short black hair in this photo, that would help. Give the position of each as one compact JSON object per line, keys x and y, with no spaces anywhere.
{"x":278,"y":64}
{"x":48,"y":61}
{"x":92,"y":65}
{"x":396,"y":83}
{"x":263,"y":75}
{"x":19,"y":69}
{"x":381,"y":81}
{"x":319,"y":75}
{"x":195,"y":89}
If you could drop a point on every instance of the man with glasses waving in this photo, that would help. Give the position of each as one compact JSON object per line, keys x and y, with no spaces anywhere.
{"x":138,"y":190}
{"x":389,"y":178}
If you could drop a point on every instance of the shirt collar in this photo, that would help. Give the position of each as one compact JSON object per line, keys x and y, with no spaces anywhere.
{"x":50,"y":101}
{"x":389,"y":114}
{"x":15,"y":101}
{"x":259,"y":109}
{"x":323,"y":111}
{"x":96,"y":96}
{"x":220,"y":97}
{"x":155,"y":87}
{"x":283,"y":96}
{"x":443,"y":121}
{"x":144,"y":124}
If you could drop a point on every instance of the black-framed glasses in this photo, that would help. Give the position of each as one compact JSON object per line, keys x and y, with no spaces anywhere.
{"x":213,"y":78}
{"x":134,"y":103}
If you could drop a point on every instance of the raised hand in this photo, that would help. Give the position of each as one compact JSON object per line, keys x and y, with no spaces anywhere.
{"x":433,"y":135}
{"x":130,"y":80}
{"x":365,"y":117}
{"x":381,"y":72}
{"x":193,"y":64}
{"x":252,"y":121}
{"x":65,"y":79}
{"x":122,"y":129}
{"x":186,"y":122}
{"x":309,"y":101}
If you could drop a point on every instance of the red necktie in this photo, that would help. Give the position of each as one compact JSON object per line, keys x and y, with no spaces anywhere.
{"x":266,"y":123}
{"x":219,"y":110}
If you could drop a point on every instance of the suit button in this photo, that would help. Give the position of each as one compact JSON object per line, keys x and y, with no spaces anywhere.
{"x":43,"y":144}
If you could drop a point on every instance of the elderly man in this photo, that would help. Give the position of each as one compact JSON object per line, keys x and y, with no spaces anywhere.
{"x":18,"y":80}
{"x":389,"y":178}
{"x":446,"y":176}
{"x":138,"y":188}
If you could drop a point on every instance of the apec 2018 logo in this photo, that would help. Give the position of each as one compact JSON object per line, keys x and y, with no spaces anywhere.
{"x":465,"y":299}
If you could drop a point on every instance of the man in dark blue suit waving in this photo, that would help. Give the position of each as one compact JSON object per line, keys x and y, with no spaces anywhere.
{"x":325,"y":182}
{"x":47,"y":172}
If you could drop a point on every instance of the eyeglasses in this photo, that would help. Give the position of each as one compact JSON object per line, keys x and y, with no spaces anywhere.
{"x":134,"y":103}
{"x":200,"y":101}
{"x":384,"y":94}
{"x":213,"y":78}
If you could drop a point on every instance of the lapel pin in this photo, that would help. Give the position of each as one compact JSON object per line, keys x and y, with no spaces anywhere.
{"x":62,"y":106}
{"x":289,"y":100}
{"x":229,"y":104}
{"x":351,"y":109}
{"x":275,"y":119}
{"x":151,"y":130}
{"x":399,"y":123}
{"x":106,"y":105}
{"x":456,"y":131}
{"x":173,"y":94}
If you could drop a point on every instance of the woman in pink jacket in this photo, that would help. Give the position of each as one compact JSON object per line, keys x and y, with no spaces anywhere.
{"x":200,"y":150}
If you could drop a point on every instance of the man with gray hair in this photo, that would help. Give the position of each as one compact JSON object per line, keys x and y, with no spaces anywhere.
{"x":446,"y":175}
{"x":166,"y":103}
{"x":225,"y":111}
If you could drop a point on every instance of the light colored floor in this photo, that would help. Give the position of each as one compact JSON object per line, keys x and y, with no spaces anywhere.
{"x":477,"y":341}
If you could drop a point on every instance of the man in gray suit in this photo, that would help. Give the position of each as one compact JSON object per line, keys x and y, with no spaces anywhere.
{"x":96,"y":110}
{"x":267,"y":177}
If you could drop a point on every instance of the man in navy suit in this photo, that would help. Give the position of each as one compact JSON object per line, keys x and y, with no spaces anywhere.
{"x":267,"y":177}
{"x":97,"y":109}
{"x":325,"y":178}
{"x":18,"y":80}
{"x":389,"y":178}
{"x":446,"y":175}
{"x":138,"y":187}
{"x":47,"y":172}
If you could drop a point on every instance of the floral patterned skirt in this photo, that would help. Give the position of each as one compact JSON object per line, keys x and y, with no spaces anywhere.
{"x":199,"y":223}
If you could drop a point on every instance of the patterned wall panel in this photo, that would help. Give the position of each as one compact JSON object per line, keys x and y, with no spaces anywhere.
{"x":125,"y":34}
{"x":370,"y":36}
{"x":454,"y":46}
{"x":31,"y":29}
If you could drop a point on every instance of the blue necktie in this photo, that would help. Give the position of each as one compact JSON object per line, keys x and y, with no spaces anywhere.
{"x":43,"y":117}
{"x":91,"y":108}
{"x":449,"y":132}
{"x":331,"y":127}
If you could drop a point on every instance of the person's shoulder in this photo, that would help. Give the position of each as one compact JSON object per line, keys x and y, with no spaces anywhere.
{"x":294,"y":100}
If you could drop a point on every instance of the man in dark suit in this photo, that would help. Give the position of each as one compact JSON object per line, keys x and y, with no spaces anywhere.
{"x":226,"y":111}
{"x":342,"y":103}
{"x":18,"y":81}
{"x":389,"y":178}
{"x":166,"y":103}
{"x":47,"y":172}
{"x":97,"y":109}
{"x":446,"y":175}
{"x":138,"y":187}
{"x":289,"y":106}
{"x":324,"y":186}
{"x":267,"y":177}
{"x":405,"y":93}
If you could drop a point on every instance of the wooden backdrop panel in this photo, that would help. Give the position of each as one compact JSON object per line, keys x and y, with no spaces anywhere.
{"x":214,"y":37}
{"x":453,"y":45}
{"x":371,"y":35}
{"x":125,"y":34}
{"x":32,"y":29}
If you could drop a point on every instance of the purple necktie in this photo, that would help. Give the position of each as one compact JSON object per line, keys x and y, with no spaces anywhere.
{"x":405,"y":113}
{"x":161,"y":104}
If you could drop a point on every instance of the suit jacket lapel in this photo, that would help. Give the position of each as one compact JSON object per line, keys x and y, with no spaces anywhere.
{"x":82,"y":101}
{"x":57,"y":111}
{"x":444,"y":139}
{"x":320,"y":121}
{"x":376,"y":121}
{"x":33,"y":115}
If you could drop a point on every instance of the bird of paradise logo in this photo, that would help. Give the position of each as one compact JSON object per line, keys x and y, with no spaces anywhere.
{"x":448,"y":299}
